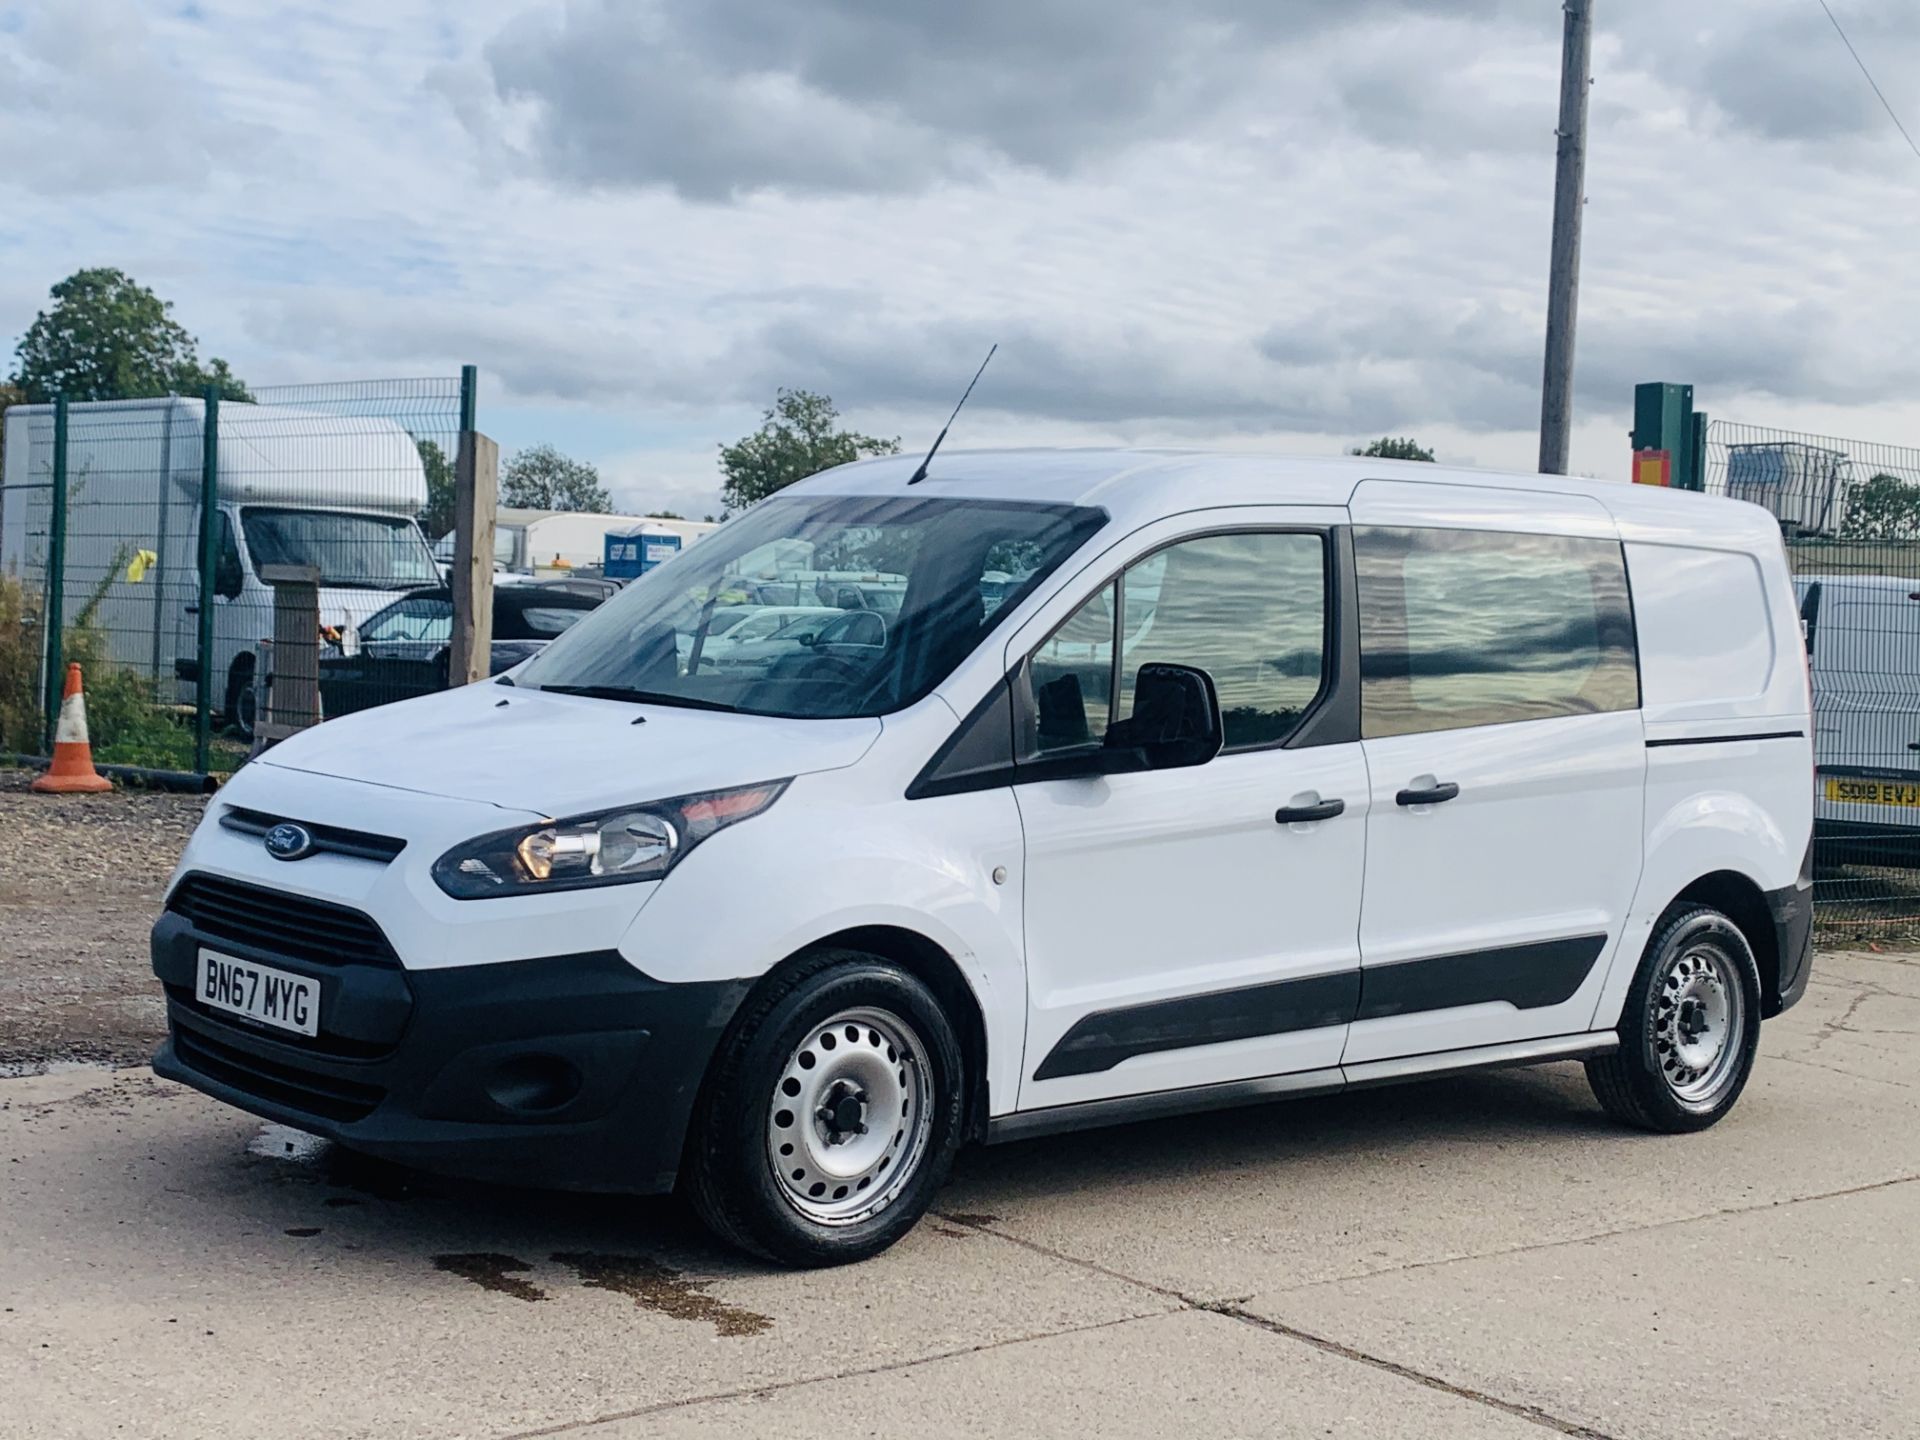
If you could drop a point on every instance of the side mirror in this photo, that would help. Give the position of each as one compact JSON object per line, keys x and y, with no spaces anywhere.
{"x":1176,"y":718}
{"x":808,"y":638}
{"x":350,"y":641}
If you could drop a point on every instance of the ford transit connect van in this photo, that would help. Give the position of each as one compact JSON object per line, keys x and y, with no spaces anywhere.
{"x":1258,"y":777}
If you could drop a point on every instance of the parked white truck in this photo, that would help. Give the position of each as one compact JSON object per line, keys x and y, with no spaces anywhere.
{"x":294,"y":488}
{"x":529,"y":542}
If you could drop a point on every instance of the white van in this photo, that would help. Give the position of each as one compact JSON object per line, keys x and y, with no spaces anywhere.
{"x":1863,"y":634}
{"x":294,"y":487}
{"x":1263,"y":777}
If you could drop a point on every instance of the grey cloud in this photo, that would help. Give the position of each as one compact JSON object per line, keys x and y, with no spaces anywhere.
{"x":86,"y":110}
{"x":714,"y":98}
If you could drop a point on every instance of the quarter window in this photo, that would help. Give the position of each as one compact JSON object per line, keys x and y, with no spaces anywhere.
{"x":1249,"y":608}
{"x":1466,"y":627}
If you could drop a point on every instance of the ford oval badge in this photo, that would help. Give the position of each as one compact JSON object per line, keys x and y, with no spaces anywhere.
{"x":287,"y":841}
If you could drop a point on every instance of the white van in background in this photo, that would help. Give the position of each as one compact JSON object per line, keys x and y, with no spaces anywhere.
{"x":1253,"y":777}
{"x":1863,"y":634}
{"x":295,"y":487}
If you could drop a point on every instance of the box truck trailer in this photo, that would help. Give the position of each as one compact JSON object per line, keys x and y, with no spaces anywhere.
{"x":292,"y":487}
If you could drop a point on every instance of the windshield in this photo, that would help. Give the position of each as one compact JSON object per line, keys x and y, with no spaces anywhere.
{"x":840,"y":553}
{"x":366,"y":552}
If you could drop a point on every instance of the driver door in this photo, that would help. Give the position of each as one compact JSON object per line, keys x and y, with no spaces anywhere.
{"x":1195,"y":926}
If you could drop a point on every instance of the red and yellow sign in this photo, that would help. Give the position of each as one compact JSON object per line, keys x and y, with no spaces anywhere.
{"x":1653,"y":467}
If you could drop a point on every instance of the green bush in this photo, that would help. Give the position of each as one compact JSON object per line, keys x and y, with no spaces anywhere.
{"x":19,"y":666}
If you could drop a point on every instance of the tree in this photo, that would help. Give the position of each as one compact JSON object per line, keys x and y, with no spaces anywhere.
{"x":105,"y":337}
{"x":664,"y":515}
{"x":541,"y":478}
{"x":798,"y":437}
{"x":1884,"y":508}
{"x":437,"y":518}
{"x":1403,"y":447}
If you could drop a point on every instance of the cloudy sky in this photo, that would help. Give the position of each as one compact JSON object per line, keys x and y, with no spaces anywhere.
{"x":1279,"y":223}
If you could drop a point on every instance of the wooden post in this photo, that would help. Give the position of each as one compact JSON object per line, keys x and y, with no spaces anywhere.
{"x":1569,"y":196}
{"x":476,"y":485}
{"x":287,"y":690}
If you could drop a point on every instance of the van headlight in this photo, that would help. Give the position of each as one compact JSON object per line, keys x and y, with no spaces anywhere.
{"x":637,"y":842}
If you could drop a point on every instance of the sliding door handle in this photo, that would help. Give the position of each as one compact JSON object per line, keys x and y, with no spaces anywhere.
{"x":1428,"y":795}
{"x":1305,"y":814}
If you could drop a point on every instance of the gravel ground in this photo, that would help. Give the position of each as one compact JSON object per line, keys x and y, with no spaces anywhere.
{"x":80,"y":879}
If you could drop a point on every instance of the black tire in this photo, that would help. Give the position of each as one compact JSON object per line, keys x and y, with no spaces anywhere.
{"x":728,"y":1174}
{"x":242,"y":699}
{"x":1694,"y":950}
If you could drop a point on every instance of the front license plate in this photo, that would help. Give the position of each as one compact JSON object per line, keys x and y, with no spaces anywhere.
{"x":1857,"y":791}
{"x":259,"y":992}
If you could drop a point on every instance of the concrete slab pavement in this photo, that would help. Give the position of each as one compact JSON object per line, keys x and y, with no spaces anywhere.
{"x":1463,"y":1258}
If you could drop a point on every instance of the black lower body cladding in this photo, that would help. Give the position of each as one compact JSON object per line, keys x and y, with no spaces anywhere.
{"x":1792,"y":910}
{"x":567,"y":1071}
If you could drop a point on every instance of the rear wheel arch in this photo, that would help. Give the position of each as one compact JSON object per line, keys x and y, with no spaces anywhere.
{"x":1743,"y":902}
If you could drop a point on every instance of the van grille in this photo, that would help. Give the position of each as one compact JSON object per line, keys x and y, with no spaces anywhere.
{"x":286,"y":924}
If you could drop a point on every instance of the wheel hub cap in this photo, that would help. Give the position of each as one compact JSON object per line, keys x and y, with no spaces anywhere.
{"x":849,"y":1117}
{"x":1696,"y":1028}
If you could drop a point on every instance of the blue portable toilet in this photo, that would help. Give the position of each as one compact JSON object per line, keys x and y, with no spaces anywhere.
{"x":631,"y":553}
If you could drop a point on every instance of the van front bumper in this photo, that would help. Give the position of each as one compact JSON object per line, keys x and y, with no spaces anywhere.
{"x":568,"y":1071}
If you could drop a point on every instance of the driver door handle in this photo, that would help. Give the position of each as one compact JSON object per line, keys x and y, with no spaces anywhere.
{"x":1431,"y":795}
{"x":1304,"y":814}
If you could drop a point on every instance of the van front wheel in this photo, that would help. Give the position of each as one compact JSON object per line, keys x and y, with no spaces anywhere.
{"x":1689,"y":1030}
{"x":831,"y":1115}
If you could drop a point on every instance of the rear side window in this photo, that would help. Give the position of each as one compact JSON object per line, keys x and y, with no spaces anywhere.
{"x":1470,"y":627}
{"x":1705,"y":615}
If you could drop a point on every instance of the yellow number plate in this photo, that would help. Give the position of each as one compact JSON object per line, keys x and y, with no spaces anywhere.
{"x":1875,"y":792}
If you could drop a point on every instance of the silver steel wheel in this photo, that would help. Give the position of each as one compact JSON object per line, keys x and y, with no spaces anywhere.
{"x":849,"y":1117}
{"x":1696,"y":1027}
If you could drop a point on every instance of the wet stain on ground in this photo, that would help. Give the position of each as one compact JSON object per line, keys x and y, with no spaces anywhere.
{"x":952,"y":1232}
{"x":966,"y":1217}
{"x":304,"y":1232}
{"x":653,"y":1286}
{"x":312,"y":1159}
{"x":492,"y":1272}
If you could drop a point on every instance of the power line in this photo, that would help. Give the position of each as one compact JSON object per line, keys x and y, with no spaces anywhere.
{"x":1870,"y":80}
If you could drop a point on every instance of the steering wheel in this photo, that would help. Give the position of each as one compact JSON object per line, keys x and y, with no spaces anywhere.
{"x":814,"y":667}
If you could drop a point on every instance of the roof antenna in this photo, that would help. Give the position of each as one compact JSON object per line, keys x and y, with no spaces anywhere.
{"x":921,"y":473}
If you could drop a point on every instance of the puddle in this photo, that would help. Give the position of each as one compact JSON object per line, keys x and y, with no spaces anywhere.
{"x":23,"y":1069}
{"x":652,"y":1286}
{"x":492,"y":1272}
{"x":283,"y":1142}
{"x":326,"y":1163}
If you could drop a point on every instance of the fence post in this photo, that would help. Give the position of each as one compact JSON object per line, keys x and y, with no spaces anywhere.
{"x":476,"y":484}
{"x":209,"y":561}
{"x":469,"y":396}
{"x":55,"y":602}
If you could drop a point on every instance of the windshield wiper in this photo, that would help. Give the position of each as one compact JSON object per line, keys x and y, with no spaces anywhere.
{"x":637,"y":697}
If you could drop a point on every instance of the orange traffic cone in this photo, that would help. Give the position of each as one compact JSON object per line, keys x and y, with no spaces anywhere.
{"x":72,"y":772}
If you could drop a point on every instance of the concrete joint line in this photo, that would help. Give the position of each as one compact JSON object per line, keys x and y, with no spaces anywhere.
{"x":1232,"y":1310}
{"x":576,"y":1427}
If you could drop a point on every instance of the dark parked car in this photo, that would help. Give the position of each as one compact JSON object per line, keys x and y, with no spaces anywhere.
{"x":402,"y":649}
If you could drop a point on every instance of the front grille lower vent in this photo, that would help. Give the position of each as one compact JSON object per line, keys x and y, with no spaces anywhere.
{"x":282,"y":923}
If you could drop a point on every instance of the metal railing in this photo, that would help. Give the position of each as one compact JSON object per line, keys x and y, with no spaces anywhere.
{"x":1849,"y":511}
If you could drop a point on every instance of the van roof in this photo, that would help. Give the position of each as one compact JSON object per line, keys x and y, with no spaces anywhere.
{"x":1141,"y":484}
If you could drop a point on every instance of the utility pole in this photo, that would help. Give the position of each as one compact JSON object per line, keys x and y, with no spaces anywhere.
{"x":1569,"y":196}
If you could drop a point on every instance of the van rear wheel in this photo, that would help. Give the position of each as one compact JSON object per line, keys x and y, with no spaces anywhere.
{"x":831,"y":1115}
{"x":1690,"y":1028}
